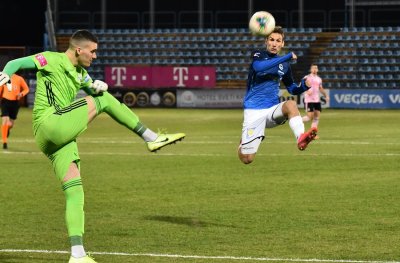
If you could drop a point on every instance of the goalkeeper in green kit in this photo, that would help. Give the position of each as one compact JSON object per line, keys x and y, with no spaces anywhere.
{"x":58,"y":119}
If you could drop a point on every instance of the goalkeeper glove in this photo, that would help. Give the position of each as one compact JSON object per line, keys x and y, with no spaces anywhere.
{"x":5,"y":79}
{"x":99,"y":86}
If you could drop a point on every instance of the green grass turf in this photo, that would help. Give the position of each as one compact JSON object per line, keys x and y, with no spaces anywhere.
{"x":339,"y":199}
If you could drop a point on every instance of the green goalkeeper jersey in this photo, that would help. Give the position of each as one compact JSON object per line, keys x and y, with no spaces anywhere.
{"x":58,"y":82}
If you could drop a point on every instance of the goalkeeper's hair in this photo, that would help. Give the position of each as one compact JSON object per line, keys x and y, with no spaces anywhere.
{"x":82,"y":35}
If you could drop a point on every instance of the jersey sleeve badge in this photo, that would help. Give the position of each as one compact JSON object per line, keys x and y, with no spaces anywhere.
{"x":41,"y":59}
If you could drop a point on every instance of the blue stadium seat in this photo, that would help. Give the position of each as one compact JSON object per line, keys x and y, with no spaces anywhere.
{"x":373,"y":85}
{"x":343,"y":57}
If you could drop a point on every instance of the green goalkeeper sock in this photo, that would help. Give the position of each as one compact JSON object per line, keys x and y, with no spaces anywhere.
{"x":74,"y":214}
{"x":119,"y":112}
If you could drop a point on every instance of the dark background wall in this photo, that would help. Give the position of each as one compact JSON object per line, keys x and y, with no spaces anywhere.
{"x":23,"y":21}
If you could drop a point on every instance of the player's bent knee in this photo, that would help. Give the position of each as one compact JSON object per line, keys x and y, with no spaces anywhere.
{"x":92,"y":110}
{"x":72,"y":173}
{"x":290,"y":109}
{"x":247,"y":151}
{"x":246,"y":158}
{"x":291,"y":104}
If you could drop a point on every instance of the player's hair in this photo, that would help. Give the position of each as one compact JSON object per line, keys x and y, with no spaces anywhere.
{"x":314,"y":64}
{"x":278,"y":30}
{"x":82,"y":35}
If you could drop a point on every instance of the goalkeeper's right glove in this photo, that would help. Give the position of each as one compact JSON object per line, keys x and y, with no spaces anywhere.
{"x":99,"y":86}
{"x":5,"y":79}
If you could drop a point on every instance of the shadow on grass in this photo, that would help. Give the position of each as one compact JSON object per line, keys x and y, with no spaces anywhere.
{"x":188,"y":221}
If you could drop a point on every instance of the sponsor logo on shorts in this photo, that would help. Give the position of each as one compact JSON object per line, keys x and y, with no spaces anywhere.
{"x":247,"y":148}
{"x":250,"y":132}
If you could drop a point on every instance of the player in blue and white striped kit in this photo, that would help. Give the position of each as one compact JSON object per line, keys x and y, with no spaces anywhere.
{"x":262,"y":107}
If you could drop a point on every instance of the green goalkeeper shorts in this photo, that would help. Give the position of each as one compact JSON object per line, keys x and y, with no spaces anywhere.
{"x":56,"y":136}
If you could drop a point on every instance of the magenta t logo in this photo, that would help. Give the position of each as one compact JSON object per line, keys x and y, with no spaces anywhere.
{"x":118,"y":74}
{"x":182,"y":75}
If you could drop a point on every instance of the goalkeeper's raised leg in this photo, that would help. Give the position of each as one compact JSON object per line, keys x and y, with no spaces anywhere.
{"x":105,"y":102}
{"x":164,"y":140}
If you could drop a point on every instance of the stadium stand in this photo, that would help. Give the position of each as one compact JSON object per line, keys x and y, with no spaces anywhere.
{"x":349,"y":58}
{"x":363,"y":57}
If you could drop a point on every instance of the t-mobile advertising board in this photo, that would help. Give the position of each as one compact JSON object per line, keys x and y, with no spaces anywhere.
{"x":159,"y":77}
{"x":365,"y":98}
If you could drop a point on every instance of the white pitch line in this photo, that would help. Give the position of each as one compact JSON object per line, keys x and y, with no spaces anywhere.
{"x":219,"y":154}
{"x":187,"y":141}
{"x":197,"y":256}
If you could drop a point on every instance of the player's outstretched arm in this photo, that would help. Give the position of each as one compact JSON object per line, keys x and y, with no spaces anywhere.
{"x":262,"y":65}
{"x":295,"y":89}
{"x":13,"y":66}
{"x":20,"y":63}
{"x":292,"y":87}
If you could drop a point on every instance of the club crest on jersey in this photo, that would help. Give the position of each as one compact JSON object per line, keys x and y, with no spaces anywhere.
{"x":280,"y":71}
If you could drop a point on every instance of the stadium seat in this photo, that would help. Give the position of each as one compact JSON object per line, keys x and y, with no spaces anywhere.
{"x":349,"y":54}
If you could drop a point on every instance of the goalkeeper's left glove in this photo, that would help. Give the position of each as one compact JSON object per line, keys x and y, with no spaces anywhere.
{"x":99,"y":86}
{"x":5,"y":79}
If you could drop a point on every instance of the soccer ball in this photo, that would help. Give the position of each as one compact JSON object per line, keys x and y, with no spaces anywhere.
{"x":261,"y":23}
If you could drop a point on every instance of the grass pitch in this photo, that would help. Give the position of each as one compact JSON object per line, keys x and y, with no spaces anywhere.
{"x":338,"y":200}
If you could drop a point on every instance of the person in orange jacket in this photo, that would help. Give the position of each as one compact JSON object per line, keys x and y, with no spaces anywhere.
{"x":11,"y":94}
